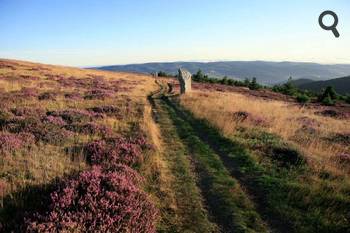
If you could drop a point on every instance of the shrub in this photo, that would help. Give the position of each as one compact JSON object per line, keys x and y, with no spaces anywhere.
{"x":90,"y":128}
{"x":109,"y":110}
{"x":98,"y":94}
{"x":47,"y":96}
{"x":114,"y":151}
{"x":253,"y":85}
{"x":55,"y":120}
{"x":52,"y":134}
{"x":328,"y":97}
{"x":97,"y":201}
{"x":343,"y":159}
{"x":302,"y":98}
{"x":5,"y":117}
{"x":73,"y":96}
{"x":28,"y":112}
{"x":73,"y":115}
{"x":288,"y":88}
{"x":96,"y":151}
{"x":46,"y":132}
{"x":329,"y":91}
{"x":22,"y":124}
{"x":10,"y":142}
{"x":29,"y":92}
{"x":287,"y":157}
{"x":164,"y":74}
{"x":328,"y":101}
{"x":347,"y":99}
{"x":332,"y":113}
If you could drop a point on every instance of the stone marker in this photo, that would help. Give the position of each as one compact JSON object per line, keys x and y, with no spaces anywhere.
{"x":185,"y":81}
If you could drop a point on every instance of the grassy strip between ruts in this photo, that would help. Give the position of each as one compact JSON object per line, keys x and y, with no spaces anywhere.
{"x":229,"y":205}
{"x":287,"y":198}
{"x":180,"y":201}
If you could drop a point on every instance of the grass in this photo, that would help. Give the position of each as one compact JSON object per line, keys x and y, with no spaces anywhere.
{"x":295,"y":197}
{"x":290,"y":122}
{"x":229,"y":205}
{"x":172,"y":181}
{"x":219,"y":161}
{"x":27,"y":172}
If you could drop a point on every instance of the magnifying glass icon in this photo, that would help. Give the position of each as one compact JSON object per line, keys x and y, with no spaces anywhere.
{"x":333,"y":27}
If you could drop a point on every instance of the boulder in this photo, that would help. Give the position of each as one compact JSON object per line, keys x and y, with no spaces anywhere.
{"x":185,"y":81}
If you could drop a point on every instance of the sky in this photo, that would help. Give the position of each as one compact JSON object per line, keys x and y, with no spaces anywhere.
{"x":106,"y":32}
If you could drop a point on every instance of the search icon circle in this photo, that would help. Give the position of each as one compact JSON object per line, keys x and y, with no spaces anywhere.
{"x":333,"y":27}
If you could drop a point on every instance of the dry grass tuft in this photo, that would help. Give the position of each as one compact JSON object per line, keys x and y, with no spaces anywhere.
{"x":300,"y":126}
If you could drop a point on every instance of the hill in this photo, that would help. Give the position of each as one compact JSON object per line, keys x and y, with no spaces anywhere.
{"x":268,"y":73}
{"x":341,"y":85}
{"x":302,"y":81}
{"x":136,"y":155}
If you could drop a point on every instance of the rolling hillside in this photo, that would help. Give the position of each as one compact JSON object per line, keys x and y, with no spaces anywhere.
{"x":266,"y":72}
{"x":341,"y":85}
{"x":94,"y":151}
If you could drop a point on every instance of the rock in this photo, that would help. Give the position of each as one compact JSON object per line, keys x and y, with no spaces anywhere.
{"x":185,"y":81}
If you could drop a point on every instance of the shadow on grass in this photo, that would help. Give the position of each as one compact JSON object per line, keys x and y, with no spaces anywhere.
{"x":25,"y":202}
{"x":285,"y":202}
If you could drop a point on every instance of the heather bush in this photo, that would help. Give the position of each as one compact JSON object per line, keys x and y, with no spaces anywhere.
{"x":10,"y":142}
{"x":22,"y":124}
{"x":124,"y":151}
{"x":97,"y":201}
{"x":343,"y":159}
{"x":108,"y":110}
{"x":90,"y":128}
{"x":28,"y":112}
{"x":73,"y":115}
{"x":96,"y":151}
{"x":332,"y":113}
{"x":72,"y":82}
{"x":55,"y":120}
{"x":52,"y":134}
{"x":242,"y":116}
{"x":29,"y":92}
{"x":115,"y":150}
{"x":48,"y":96}
{"x":98,"y":94}
{"x":27,"y":138}
{"x":46,"y":132}
{"x":5,"y":117}
{"x":73,"y":96}
{"x":29,"y":77}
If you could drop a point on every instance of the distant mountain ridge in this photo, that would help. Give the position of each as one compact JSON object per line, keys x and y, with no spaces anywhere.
{"x":268,"y":73}
{"x":341,"y":85}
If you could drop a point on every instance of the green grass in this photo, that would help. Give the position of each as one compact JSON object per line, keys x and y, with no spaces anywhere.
{"x":291,"y":198}
{"x":228,"y":204}
{"x":189,"y":214}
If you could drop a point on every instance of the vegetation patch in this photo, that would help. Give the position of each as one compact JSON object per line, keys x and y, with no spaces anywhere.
{"x":97,"y":201}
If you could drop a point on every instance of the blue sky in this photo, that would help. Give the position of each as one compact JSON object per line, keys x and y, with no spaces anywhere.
{"x":87,"y":32}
